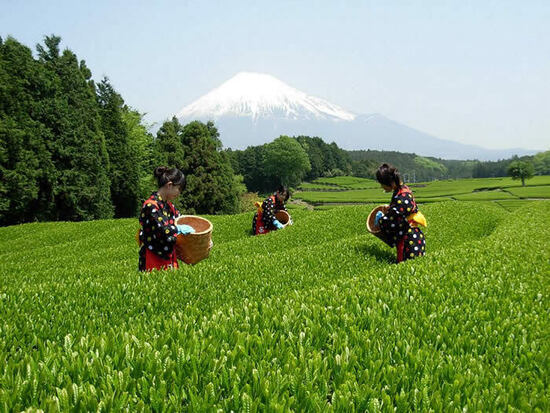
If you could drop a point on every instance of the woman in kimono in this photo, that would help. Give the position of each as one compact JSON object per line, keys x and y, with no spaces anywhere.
{"x":264,"y":219}
{"x":158,"y":216}
{"x":399,"y":225}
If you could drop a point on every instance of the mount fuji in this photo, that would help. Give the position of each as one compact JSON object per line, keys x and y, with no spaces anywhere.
{"x":254,"y":108}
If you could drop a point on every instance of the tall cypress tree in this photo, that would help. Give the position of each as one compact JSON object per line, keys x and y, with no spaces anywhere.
{"x":82,"y":186}
{"x":25,"y":191}
{"x":168,"y":148}
{"x":54,"y":162}
{"x":141,"y":142}
{"x":211,"y":185}
{"x":123,"y":158}
{"x":196,"y":149}
{"x":251,"y":167}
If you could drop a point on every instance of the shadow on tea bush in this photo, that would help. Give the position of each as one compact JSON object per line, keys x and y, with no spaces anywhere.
{"x":378,"y":252}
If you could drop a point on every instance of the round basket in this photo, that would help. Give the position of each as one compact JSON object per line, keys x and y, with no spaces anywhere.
{"x":373,"y":229}
{"x":283,"y":217}
{"x":192,"y":248}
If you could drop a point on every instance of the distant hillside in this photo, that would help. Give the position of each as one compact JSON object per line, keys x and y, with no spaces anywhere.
{"x":328,"y":160}
{"x":420,"y":168}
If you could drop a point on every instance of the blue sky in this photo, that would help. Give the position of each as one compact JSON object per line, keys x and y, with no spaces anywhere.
{"x":475,"y":72}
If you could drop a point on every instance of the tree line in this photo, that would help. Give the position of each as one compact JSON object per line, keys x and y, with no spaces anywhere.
{"x":288,"y":161}
{"x":71,"y":149}
{"x":308,"y":158}
{"x":420,"y":168}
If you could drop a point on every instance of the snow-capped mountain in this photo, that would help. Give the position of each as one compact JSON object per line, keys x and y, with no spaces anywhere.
{"x":258,"y":95}
{"x":253,"y":108}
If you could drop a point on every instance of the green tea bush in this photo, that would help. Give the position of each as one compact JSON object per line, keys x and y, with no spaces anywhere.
{"x":312,"y":318}
{"x":513,"y":204}
{"x":356,"y":196}
{"x":348,"y":181}
{"x":348,"y":190}
{"x":485,"y":196}
{"x":531,"y":191}
{"x":307,"y":186}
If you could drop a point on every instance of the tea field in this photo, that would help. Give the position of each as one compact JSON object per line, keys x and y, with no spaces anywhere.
{"x":312,"y":318}
{"x":347,"y":189}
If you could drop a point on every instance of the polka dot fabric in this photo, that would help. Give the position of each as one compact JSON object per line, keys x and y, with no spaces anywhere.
{"x":412,"y":245}
{"x":263,"y":221}
{"x":157,"y":234}
{"x":397,"y":230}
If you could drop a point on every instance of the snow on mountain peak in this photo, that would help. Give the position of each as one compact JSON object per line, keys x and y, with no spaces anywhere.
{"x":259,"y":95}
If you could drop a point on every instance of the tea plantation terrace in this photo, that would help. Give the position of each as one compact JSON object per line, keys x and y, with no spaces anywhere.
{"x":312,"y":318}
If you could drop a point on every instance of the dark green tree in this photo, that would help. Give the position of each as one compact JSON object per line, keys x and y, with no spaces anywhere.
{"x":81,"y":187}
{"x":364,"y":168}
{"x":286,"y":160}
{"x":168,"y":147}
{"x":211,"y":184}
{"x":140,"y":141}
{"x":124,"y":162}
{"x":233,"y":157}
{"x":325,"y":159}
{"x":251,"y":167}
{"x":313,"y":148}
{"x":521,"y":170}
{"x":54,"y":163}
{"x":25,"y":164}
{"x":541,"y":163}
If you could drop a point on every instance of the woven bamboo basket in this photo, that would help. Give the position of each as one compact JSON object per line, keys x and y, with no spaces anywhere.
{"x":373,"y":229}
{"x":283,"y":217}
{"x":192,"y":248}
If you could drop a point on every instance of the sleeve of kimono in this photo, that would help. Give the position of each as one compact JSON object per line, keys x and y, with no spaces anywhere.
{"x":394,"y":223}
{"x":164,"y":231}
{"x":268,"y":209}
